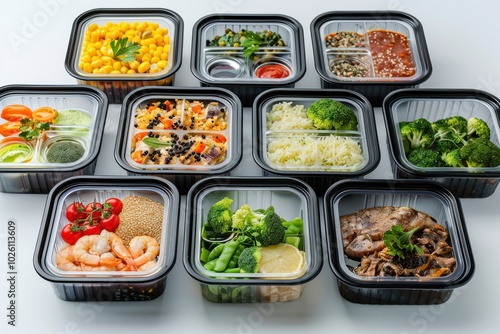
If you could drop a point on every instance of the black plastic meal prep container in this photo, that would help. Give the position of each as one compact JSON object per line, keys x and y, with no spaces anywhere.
{"x":372,"y":85}
{"x":36,"y":174}
{"x":290,"y":198}
{"x":117,"y":85}
{"x":226,"y":67}
{"x":318,"y":175}
{"x":435,"y":104}
{"x":182,"y":175}
{"x":429,"y":197}
{"x":84,"y":285}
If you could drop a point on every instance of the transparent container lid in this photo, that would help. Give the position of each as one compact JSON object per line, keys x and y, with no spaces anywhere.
{"x":290,"y":198}
{"x":165,"y":19}
{"x":150,"y":193}
{"x":349,"y":196}
{"x":81,"y":112}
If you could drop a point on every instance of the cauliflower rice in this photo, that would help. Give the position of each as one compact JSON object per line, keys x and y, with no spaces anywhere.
{"x":307,"y":150}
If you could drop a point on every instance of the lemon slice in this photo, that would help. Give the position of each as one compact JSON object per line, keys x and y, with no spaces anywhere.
{"x":280,"y":259}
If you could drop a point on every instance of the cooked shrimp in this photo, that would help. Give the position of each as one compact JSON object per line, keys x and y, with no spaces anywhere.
{"x":65,"y":259}
{"x":93,"y":250}
{"x":143,"y":249}
{"x":147,"y":265}
{"x":119,"y":248}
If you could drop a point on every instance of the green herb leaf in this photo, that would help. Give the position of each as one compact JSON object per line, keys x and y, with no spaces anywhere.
{"x":155,"y":142}
{"x":398,"y":242}
{"x":124,"y":50}
{"x":32,"y":129}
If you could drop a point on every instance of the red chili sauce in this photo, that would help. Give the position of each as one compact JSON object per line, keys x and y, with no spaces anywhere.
{"x":272,"y":71}
{"x":391,"y":54}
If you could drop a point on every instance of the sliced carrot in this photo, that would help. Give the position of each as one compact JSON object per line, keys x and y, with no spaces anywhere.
{"x":197,"y":108}
{"x":44,"y":114}
{"x":220,"y":138}
{"x":137,"y":156}
{"x":138,"y":136}
{"x":167,"y":122}
{"x":168,"y":105}
{"x":199,"y":147}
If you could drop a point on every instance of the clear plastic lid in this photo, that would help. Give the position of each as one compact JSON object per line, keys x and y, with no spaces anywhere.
{"x":290,"y":198}
{"x":144,"y":209}
{"x":433,"y":105}
{"x":62,"y":129}
{"x":178,"y":130}
{"x":348,"y":197}
{"x":371,"y":50}
{"x":221,"y":56}
{"x":294,"y":144}
{"x":157,"y":32}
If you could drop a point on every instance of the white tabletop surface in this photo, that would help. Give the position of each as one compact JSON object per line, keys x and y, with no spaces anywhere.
{"x":462,"y":37}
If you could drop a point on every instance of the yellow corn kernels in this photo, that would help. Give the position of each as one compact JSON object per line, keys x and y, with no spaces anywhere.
{"x":97,"y":55}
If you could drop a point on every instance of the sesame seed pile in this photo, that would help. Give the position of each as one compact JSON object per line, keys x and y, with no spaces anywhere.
{"x":140,"y":216}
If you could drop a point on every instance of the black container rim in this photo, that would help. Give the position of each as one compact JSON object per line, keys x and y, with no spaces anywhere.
{"x":161,"y":184}
{"x":372,"y":15}
{"x":357,"y":98}
{"x":399,"y":185}
{"x":76,"y":32}
{"x":434,"y":93}
{"x":251,"y":18}
{"x":141,"y":92}
{"x":96,"y":94}
{"x":250,"y":181}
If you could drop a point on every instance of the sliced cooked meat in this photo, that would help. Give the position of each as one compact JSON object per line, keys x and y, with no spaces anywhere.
{"x":363,"y":245}
{"x":362,"y":238}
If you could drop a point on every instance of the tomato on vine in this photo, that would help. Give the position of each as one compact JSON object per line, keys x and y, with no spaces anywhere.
{"x":94,"y":209}
{"x":71,"y":233}
{"x":109,"y":221}
{"x":75,"y":211}
{"x":115,"y":203}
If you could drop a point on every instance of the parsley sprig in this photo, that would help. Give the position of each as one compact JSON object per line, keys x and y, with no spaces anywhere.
{"x":398,"y":242}
{"x":124,"y":50}
{"x":31,"y":128}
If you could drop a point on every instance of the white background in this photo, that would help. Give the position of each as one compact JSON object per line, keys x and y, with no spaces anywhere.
{"x":462,"y":37}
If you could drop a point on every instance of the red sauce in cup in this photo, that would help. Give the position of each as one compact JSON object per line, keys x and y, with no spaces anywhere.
{"x":391,"y":54}
{"x":272,"y":71}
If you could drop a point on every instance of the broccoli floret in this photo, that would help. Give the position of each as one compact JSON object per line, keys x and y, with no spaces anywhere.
{"x":480,"y":152}
{"x":424,"y":157}
{"x":458,"y":123}
{"x":477,"y":128}
{"x":417,"y":133}
{"x":450,"y":133}
{"x":220,"y":215}
{"x":453,"y":158}
{"x":248,"y":261}
{"x":266,"y":227}
{"x":245,"y":216}
{"x":328,"y":114}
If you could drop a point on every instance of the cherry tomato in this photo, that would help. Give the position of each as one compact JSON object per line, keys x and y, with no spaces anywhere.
{"x":109,"y":221}
{"x":75,"y":211}
{"x":71,"y":233}
{"x":9,"y":128}
{"x":16,"y":112}
{"x":94,"y":209}
{"x":115,"y":203}
{"x":90,"y":228}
